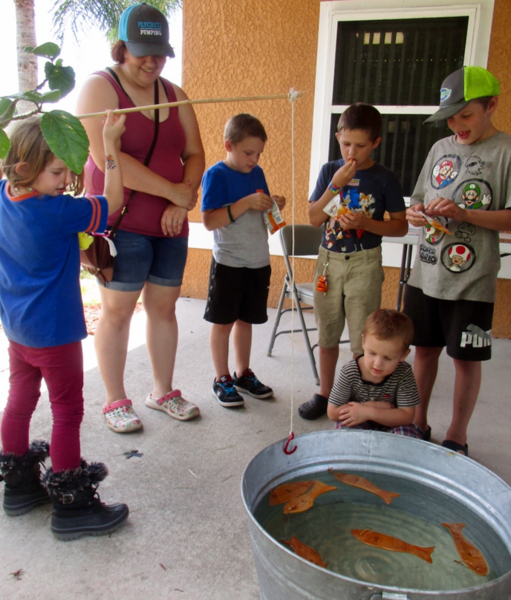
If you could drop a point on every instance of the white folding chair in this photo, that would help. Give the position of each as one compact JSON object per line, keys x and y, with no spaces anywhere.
{"x":306,"y":243}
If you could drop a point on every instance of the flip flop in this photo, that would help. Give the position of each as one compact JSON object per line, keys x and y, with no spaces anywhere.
{"x":455,"y":447}
{"x":313,"y":409}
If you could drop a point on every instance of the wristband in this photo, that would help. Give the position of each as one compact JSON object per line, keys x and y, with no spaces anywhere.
{"x":333,"y":188}
{"x":230,"y":214}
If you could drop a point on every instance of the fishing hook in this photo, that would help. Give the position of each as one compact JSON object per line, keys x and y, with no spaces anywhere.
{"x":286,"y":445}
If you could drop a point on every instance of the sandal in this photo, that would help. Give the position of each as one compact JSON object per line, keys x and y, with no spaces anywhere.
{"x":455,"y":447}
{"x":174,"y":405}
{"x":313,"y":409}
{"x":121,"y":418}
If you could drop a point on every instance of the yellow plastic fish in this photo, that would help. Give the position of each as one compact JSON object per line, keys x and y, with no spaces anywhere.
{"x":84,"y":240}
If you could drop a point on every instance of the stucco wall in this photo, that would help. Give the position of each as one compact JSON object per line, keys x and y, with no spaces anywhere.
{"x":246,"y":48}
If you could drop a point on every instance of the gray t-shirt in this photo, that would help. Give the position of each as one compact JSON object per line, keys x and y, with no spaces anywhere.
{"x":463,"y":265}
{"x":243,"y":243}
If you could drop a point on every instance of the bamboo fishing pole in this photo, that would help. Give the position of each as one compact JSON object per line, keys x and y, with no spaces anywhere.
{"x":292,"y":95}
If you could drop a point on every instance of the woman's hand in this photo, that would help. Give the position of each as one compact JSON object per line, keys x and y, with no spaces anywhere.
{"x":183,"y":195}
{"x":172,"y":219}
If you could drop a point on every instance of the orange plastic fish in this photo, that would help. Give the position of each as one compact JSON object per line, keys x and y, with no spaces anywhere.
{"x":434,"y":223}
{"x":364,"y":484}
{"x":305,"y":551}
{"x":287,"y":491}
{"x":306,"y":501}
{"x":322,"y":284}
{"x":387,"y":542}
{"x":469,"y":554}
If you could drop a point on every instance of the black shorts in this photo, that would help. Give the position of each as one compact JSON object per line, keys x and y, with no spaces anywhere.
{"x":464,"y":326}
{"x":237,"y":293}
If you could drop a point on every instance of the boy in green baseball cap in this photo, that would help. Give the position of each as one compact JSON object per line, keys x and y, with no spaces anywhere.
{"x":451,"y":292}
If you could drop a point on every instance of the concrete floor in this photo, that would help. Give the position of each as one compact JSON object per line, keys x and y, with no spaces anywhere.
{"x":187,"y":535}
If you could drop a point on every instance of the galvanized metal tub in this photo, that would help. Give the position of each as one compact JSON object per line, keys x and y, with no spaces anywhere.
{"x":283,"y":575}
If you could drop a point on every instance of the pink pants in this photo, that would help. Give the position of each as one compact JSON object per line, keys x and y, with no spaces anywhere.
{"x":62,"y":369}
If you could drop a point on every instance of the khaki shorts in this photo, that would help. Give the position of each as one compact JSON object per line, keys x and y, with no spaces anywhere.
{"x":354,"y":292}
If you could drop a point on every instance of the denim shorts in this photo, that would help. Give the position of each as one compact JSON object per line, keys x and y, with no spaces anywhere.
{"x":141,"y":258}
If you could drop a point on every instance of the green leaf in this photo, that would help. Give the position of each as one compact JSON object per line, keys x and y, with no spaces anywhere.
{"x":54,"y":96}
{"x":59,"y":78}
{"x":5,"y":144}
{"x":49,"y":50}
{"x":28,"y":49}
{"x":29,"y":96}
{"x":66,"y":138}
{"x":5,"y":103}
{"x":7,"y":108}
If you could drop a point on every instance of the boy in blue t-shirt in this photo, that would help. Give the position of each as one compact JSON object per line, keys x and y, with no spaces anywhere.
{"x":234,"y":197}
{"x":350,"y":252}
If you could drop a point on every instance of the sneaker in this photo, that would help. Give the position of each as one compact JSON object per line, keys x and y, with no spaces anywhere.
{"x":249,"y":384}
{"x":174,"y":405}
{"x":121,"y":418}
{"x":225,"y":392}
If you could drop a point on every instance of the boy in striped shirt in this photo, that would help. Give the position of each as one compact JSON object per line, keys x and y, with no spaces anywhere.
{"x":377,"y":390}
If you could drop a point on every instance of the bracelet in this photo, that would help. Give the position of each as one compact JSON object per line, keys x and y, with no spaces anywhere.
{"x":333,"y":188}
{"x":230,"y":214}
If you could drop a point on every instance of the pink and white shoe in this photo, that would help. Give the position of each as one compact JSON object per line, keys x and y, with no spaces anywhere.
{"x":174,"y":405}
{"x":121,"y":418}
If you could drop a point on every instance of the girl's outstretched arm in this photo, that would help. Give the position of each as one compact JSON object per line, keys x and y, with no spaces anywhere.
{"x":113,"y":128}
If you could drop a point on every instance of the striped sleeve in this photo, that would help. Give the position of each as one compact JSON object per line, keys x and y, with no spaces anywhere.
{"x":342,"y":391}
{"x":96,"y":214}
{"x":407,"y":393}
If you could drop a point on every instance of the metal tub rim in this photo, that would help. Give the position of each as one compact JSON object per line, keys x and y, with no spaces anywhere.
{"x":371,"y":448}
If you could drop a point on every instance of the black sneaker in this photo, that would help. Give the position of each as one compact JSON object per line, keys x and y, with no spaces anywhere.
{"x":249,"y":384}
{"x":225,"y":393}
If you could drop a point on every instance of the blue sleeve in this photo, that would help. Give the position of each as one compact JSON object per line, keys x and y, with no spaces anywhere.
{"x":82,"y":214}
{"x":214,"y":190}
{"x":261,"y":180}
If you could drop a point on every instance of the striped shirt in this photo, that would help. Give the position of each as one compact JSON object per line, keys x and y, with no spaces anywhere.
{"x":399,"y":387}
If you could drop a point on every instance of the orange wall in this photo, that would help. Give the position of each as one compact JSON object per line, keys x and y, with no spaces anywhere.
{"x":246,"y":48}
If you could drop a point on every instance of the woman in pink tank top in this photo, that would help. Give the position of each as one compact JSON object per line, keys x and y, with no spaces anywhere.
{"x":152,"y":240}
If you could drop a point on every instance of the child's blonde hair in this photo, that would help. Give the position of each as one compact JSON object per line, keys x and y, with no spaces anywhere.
{"x":387,"y":324}
{"x":29,"y":155}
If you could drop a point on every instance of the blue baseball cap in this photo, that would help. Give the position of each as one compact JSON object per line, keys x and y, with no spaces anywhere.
{"x":145,"y":31}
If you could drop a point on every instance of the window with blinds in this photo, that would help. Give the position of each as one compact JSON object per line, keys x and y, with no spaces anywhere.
{"x":397,"y":65}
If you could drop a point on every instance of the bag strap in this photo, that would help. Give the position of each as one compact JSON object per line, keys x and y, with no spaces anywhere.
{"x":124,"y":211}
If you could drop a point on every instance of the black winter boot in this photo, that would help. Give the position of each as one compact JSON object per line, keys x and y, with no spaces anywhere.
{"x":77,"y":508}
{"x":22,"y":476}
